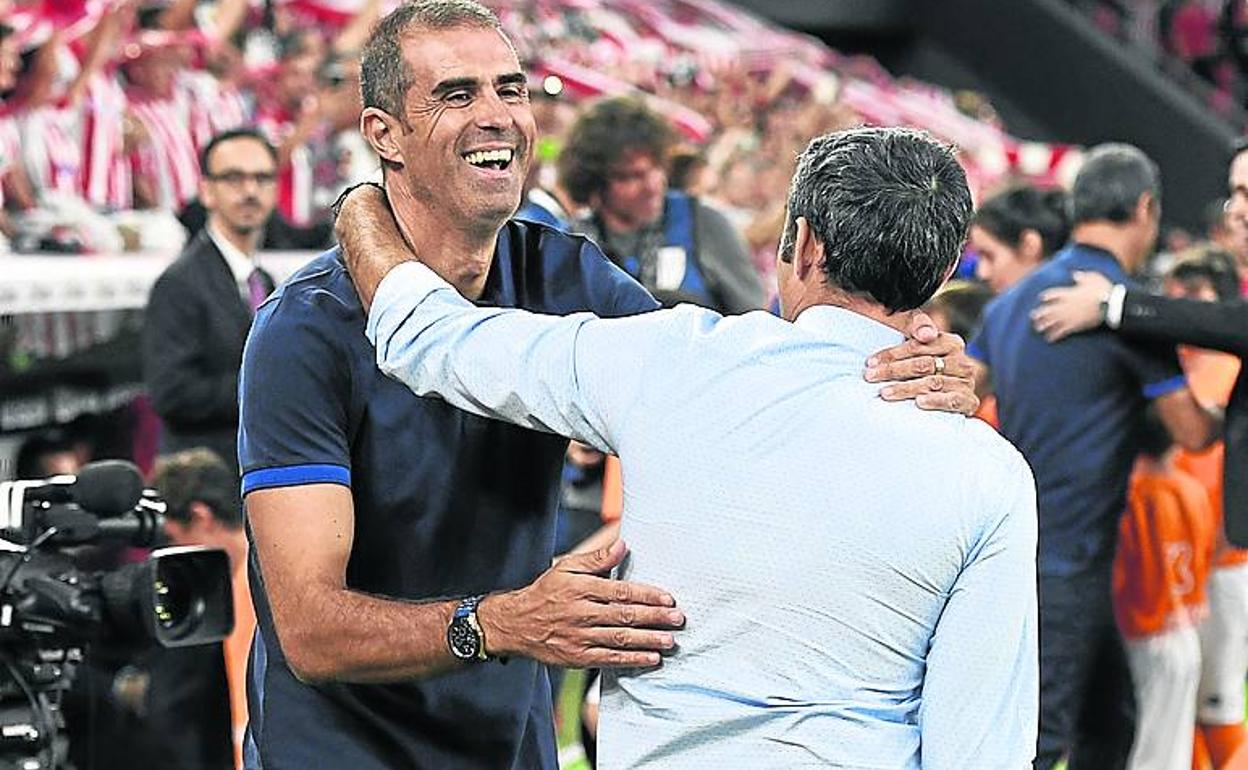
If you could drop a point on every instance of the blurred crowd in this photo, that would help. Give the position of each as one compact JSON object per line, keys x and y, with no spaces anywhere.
{"x":1204,"y":38}
{"x":106,"y":105}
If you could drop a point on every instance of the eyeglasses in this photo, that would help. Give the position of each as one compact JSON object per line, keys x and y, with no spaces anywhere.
{"x":240,"y":178}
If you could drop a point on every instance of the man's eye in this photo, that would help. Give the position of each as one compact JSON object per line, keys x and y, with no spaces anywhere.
{"x":514,"y":93}
{"x":459,"y":97}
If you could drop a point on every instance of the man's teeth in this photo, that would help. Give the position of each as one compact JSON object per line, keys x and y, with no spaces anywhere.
{"x":482,"y":157}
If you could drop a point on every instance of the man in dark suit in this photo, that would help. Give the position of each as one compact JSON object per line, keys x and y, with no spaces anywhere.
{"x":1094,"y":301}
{"x":201,"y":307}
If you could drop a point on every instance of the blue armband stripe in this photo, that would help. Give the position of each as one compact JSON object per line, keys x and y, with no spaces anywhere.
{"x":296,"y":475}
{"x":1156,"y":389}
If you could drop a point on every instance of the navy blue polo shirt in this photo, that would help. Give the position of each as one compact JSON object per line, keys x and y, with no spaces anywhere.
{"x":1073,"y":408}
{"x":447,"y":505}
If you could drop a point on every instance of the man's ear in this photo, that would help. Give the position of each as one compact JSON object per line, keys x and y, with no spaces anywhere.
{"x":202,"y":518}
{"x":380,"y":129}
{"x":807,"y":250}
{"x":1031,"y":245}
{"x":1144,"y":206}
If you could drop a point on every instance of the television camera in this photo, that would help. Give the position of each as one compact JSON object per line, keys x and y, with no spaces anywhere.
{"x":52,"y":609}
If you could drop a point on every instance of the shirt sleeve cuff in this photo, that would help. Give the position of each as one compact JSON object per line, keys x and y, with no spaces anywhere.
{"x":1158,"y":389}
{"x":399,"y":292}
{"x":1113,"y":306}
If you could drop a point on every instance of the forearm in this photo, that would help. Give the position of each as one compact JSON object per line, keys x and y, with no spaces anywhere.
{"x":365,"y":226}
{"x":179,"y":14}
{"x":505,"y":364}
{"x":1219,"y":326}
{"x":346,"y":636}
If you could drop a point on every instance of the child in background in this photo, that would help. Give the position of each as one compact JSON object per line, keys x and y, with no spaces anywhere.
{"x":1165,"y":549}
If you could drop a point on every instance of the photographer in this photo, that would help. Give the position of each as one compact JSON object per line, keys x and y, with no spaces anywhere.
{"x":196,"y":704}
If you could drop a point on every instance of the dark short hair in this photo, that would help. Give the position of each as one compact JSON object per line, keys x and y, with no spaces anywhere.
{"x":228,"y":136}
{"x":385,"y":75}
{"x":1238,"y":147}
{"x":1110,"y":183}
{"x":1212,"y":265}
{"x":891,"y":207}
{"x":35,"y":449}
{"x":603,"y":135}
{"x":1014,"y":211}
{"x":198,"y":476}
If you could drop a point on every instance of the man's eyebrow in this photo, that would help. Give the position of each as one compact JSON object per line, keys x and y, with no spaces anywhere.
{"x":454,"y":84}
{"x":510,"y":79}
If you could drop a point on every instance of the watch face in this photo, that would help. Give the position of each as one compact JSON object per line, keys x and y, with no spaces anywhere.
{"x":463,"y":639}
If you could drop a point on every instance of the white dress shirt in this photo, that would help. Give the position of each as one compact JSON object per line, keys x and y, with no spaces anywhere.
{"x":241,"y":266}
{"x":858,"y":576}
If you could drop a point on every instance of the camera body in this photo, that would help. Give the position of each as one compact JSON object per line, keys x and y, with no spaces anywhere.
{"x":52,"y":609}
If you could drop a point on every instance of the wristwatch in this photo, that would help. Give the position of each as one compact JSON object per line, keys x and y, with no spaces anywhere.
{"x":464,"y":635}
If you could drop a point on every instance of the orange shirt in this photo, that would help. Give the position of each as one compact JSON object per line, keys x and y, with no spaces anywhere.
{"x":237,"y":650}
{"x":612,"y":491}
{"x":1211,"y":376}
{"x":988,"y":412}
{"x":1165,"y":552}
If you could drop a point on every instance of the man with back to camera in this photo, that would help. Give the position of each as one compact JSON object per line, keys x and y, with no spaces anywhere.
{"x":836,"y":618}
{"x":1074,"y":410}
{"x":201,"y":307}
{"x":379,"y":519}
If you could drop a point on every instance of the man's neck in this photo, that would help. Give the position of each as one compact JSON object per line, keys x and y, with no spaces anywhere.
{"x":1107,"y":237}
{"x":460,"y":254}
{"x":246,"y":242}
{"x":855,"y":304}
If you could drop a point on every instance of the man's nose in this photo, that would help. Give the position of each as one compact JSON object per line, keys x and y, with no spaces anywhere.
{"x":493,"y":112}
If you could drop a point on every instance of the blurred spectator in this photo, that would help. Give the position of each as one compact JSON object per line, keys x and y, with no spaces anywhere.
{"x":1015,"y":230}
{"x":290,"y":114}
{"x":204,"y":509}
{"x":201,"y":307}
{"x":1074,"y":410}
{"x":615,"y":162}
{"x":166,"y":171}
{"x":50,"y":453}
{"x":959,"y":306}
{"x":689,"y":172}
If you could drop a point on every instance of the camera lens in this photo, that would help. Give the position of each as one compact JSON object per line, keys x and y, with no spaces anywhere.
{"x":177,"y":604}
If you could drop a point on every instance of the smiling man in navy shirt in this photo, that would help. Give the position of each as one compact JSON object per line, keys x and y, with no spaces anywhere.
{"x":394,"y":536}
{"x":1074,"y":409}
